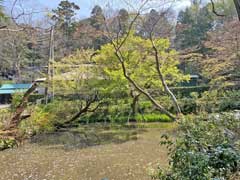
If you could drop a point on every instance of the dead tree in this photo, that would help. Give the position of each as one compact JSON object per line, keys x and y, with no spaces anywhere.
{"x":17,"y":117}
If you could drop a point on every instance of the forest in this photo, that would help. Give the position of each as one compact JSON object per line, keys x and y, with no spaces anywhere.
{"x":132,"y":90}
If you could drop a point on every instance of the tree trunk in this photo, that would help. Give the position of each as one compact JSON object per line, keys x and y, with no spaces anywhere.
{"x":166,"y":88}
{"x":17,"y":118}
{"x":237,"y":5}
{"x":153,"y":101}
{"x":135,"y":99}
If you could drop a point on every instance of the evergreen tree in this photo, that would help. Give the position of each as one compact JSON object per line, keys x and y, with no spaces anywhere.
{"x":192,"y":26}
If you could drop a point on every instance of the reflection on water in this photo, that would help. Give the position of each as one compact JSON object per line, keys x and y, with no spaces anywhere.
{"x":82,"y":138}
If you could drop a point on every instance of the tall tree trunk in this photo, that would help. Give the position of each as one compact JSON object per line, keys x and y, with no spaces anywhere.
{"x":166,"y":88}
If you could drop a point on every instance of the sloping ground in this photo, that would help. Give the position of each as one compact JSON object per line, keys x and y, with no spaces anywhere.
{"x":125,"y":160}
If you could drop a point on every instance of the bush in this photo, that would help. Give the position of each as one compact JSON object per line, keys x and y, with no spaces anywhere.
{"x":45,"y":117}
{"x":218,"y":101}
{"x":205,"y":150}
{"x":7,"y":143}
{"x":230,"y":101}
{"x":40,"y":121}
{"x":16,"y":99}
{"x":188,"y":105}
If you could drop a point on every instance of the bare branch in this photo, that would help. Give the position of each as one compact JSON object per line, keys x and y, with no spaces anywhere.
{"x":214,"y":10}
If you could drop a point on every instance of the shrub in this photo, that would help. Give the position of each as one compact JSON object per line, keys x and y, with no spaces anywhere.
{"x":218,"y":101}
{"x":188,"y":105}
{"x":40,"y":121}
{"x":7,"y":143}
{"x":45,"y":117}
{"x":205,"y":150}
{"x":16,"y":99}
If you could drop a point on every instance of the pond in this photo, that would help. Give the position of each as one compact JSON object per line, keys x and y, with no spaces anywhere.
{"x":86,"y":154}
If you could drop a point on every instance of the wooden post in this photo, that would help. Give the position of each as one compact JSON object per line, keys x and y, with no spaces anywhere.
{"x":50,"y":68}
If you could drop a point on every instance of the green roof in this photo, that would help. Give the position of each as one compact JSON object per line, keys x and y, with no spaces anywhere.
{"x":14,"y":88}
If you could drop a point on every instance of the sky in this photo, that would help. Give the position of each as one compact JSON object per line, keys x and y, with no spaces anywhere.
{"x":85,"y":5}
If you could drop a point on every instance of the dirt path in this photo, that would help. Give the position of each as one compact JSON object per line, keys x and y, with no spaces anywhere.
{"x":125,"y":161}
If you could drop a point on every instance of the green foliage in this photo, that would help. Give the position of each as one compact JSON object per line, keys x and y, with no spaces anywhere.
{"x":205,"y":150}
{"x":2,"y":15}
{"x":137,"y":54}
{"x":218,"y":101}
{"x":230,"y":101}
{"x":45,"y":117}
{"x":153,"y":117}
{"x":40,"y":121}
{"x":16,"y":100}
{"x":75,"y":74}
{"x":193,"y":25}
{"x":7,"y":143}
{"x":121,"y":118}
{"x":63,"y":15}
{"x":209,"y":101}
{"x":139,"y":60}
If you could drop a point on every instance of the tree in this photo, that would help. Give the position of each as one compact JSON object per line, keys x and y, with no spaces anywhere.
{"x":97,"y":18}
{"x":192,"y":26}
{"x":64,"y":14}
{"x":73,"y":77}
{"x":221,"y":63}
{"x":65,"y":26}
{"x":157,"y":48}
{"x":161,"y":23}
{"x":135,"y":61}
{"x":123,"y":18}
{"x":226,"y":8}
{"x":97,"y":22}
{"x":19,"y":55}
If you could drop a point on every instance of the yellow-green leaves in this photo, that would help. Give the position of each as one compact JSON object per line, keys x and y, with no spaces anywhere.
{"x":138,"y":56}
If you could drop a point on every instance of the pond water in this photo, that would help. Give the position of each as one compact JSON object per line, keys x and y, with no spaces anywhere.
{"x":118,"y":154}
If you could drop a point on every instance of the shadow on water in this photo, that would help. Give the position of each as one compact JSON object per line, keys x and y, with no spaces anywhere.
{"x":86,"y":136}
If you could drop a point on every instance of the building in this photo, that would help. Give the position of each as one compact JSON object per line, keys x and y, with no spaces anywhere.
{"x":7,"y":90}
